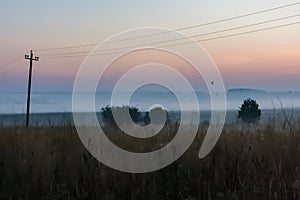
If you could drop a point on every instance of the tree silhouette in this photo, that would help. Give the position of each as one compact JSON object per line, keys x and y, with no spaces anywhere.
{"x":249,"y":111}
{"x":157,"y":110}
{"x":108,"y":118}
{"x":141,"y":118}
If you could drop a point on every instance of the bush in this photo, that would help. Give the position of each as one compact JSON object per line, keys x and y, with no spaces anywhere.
{"x":153,"y":112}
{"x":249,"y":111}
{"x":137,"y":116}
{"x":108,"y":118}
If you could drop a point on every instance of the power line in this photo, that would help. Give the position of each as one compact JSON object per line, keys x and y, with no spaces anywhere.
{"x":11,"y":68}
{"x":171,"y":40}
{"x":213,"y":22}
{"x":247,"y":32}
{"x":14,"y":60}
{"x":12,"y":63}
{"x":178,"y":29}
{"x":202,"y":40}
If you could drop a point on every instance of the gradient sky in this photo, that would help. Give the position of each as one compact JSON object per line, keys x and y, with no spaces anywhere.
{"x":266,"y":60}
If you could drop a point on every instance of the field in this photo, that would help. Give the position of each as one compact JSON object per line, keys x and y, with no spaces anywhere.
{"x":49,"y":162}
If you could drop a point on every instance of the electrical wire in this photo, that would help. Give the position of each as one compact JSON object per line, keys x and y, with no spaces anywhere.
{"x":178,"y":29}
{"x":171,"y":40}
{"x":202,"y":40}
{"x":11,"y":69}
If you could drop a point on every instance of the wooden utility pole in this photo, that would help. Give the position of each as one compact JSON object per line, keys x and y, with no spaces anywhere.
{"x":30,"y":58}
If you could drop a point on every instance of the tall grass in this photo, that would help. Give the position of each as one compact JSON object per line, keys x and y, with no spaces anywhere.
{"x":262,"y":162}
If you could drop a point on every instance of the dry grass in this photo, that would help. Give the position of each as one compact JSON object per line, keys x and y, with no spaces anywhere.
{"x":51,"y":163}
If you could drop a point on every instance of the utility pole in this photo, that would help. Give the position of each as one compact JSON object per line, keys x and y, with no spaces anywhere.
{"x":30,"y":58}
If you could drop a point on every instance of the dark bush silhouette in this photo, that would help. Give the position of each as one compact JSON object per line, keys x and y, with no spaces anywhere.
{"x":157,"y":110}
{"x":142,"y":118}
{"x":107,"y":114}
{"x":249,"y":111}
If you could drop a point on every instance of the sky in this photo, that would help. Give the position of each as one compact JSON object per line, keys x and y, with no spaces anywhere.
{"x":268,"y":60}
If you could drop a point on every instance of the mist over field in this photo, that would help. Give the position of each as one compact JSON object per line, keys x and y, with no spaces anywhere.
{"x":59,"y":102}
